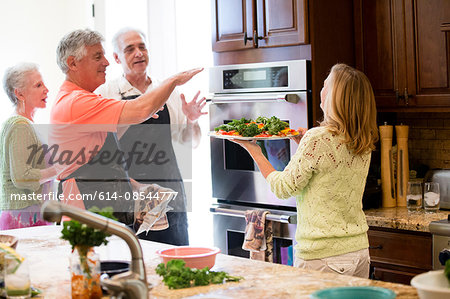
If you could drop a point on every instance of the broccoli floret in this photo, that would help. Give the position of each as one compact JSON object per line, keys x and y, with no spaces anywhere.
{"x":251,"y":130}
{"x":241,"y":128}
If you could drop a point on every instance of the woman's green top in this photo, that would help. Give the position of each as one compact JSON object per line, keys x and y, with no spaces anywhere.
{"x":328,"y":181}
{"x":19,"y":167}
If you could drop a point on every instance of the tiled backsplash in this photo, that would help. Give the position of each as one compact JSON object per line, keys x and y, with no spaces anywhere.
{"x":429,"y":138}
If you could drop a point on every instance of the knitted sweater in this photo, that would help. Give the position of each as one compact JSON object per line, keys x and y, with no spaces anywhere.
{"x":19,"y":177}
{"x":328,"y":182}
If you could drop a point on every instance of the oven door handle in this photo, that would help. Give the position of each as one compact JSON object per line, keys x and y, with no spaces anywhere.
{"x":289,"y":219}
{"x":252,"y":98}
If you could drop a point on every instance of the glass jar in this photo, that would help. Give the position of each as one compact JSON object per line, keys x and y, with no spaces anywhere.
{"x":85,"y":273}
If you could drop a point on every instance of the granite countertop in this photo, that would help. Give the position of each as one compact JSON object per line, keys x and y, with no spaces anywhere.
{"x":401,"y":218}
{"x":49,"y":270}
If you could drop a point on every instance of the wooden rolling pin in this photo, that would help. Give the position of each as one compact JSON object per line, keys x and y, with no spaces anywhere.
{"x":387,"y":167}
{"x":402,"y":164}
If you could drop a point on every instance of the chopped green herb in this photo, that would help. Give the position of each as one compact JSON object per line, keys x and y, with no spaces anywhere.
{"x":82,"y":235}
{"x":177,"y":276}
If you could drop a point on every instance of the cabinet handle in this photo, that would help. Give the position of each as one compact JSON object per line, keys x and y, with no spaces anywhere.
{"x":407,"y":96}
{"x":256,"y":38}
{"x":246,"y":38}
{"x":376,"y":247}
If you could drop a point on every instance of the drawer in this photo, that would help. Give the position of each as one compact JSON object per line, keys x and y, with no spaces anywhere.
{"x":401,"y":248}
{"x":390,"y":275}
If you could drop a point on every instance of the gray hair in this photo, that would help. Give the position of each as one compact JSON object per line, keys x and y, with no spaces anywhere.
{"x":74,"y":44}
{"x":16,"y":78}
{"x":115,"y":39}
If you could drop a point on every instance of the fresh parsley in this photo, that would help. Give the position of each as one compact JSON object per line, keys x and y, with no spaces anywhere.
{"x":177,"y":276}
{"x":84,"y":236}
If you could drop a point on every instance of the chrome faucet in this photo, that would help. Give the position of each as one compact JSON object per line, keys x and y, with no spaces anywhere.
{"x":131,"y":284}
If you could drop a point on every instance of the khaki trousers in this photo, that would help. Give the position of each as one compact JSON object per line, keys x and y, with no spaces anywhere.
{"x":356,"y":263}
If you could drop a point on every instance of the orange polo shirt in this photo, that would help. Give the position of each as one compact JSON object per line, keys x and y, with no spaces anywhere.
{"x":80,"y":121}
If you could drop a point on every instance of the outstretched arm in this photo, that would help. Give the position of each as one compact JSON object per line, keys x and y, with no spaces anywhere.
{"x":138,"y":110}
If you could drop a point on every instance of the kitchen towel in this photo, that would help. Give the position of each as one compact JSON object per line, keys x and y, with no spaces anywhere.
{"x":258,"y":235}
{"x":150,"y":211}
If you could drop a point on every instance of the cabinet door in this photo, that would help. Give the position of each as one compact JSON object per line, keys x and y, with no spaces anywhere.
{"x":404,"y":52}
{"x":431,"y":83}
{"x":282,"y":22}
{"x":232,"y":19}
{"x":383,"y":56}
{"x":397,"y":256}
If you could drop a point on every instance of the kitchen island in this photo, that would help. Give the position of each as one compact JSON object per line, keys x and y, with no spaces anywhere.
{"x":49,"y":271}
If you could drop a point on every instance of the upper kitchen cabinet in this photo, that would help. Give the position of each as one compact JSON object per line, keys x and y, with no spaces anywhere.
{"x":402,"y":46}
{"x":243,"y":24}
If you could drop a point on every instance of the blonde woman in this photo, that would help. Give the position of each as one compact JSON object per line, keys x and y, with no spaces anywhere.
{"x":327,"y":175}
{"x":22,"y":175}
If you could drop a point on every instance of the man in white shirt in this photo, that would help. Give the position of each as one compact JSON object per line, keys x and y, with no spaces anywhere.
{"x":177,"y":121}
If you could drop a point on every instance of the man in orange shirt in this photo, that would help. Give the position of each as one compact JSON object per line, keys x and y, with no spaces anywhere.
{"x":88,"y":158}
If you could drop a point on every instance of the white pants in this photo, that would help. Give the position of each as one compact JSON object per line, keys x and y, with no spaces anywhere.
{"x":356,"y":263}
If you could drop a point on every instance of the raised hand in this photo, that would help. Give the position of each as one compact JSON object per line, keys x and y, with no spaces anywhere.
{"x":193,"y":109}
{"x":185,"y":76}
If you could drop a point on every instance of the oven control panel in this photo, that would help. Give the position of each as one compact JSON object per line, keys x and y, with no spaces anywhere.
{"x":280,"y":76}
{"x":256,"y":77}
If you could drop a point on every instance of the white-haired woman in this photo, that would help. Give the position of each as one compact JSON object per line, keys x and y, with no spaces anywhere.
{"x":22,"y":172}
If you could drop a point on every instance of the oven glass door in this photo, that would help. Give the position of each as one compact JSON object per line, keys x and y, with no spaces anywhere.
{"x":235,"y":177}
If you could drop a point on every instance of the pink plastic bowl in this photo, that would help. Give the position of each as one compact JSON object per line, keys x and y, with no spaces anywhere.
{"x":194,"y":257}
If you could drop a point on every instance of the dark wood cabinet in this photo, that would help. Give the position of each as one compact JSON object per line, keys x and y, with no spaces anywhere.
{"x":231,"y":20}
{"x":402,"y":46}
{"x":398,"y":255}
{"x":282,"y":22}
{"x":243,"y":24}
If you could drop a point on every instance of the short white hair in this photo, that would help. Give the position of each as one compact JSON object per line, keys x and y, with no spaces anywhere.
{"x":115,"y":39}
{"x":74,"y":44}
{"x":16,"y":78}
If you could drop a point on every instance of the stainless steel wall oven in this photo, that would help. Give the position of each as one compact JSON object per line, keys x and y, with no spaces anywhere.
{"x":278,"y":89}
